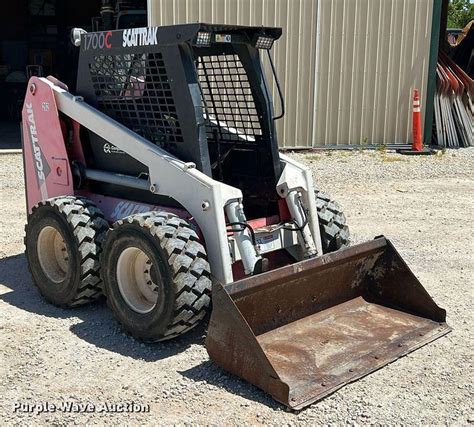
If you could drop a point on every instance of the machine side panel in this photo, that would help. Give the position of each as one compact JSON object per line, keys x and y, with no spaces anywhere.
{"x":115,"y":208}
{"x":46,"y":161}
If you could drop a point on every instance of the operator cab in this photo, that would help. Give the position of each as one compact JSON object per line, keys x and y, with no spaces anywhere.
{"x":198,"y":91}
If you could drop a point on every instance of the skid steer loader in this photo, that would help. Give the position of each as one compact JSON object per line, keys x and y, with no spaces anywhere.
{"x":159,"y":183}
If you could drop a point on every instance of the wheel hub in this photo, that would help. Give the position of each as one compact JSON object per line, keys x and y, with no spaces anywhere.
{"x":137,"y":281}
{"x":53,"y":254}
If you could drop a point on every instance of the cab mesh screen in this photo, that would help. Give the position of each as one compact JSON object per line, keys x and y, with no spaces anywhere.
{"x":228,"y":102}
{"x":134,"y":89}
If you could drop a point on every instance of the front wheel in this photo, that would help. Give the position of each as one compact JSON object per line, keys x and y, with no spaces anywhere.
{"x":156,"y":276}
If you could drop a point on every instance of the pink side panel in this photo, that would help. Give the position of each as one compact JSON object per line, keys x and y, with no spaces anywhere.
{"x":46,"y":162}
{"x":264,"y":222}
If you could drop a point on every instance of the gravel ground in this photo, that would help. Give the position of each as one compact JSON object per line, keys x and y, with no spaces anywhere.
{"x":423,"y":204}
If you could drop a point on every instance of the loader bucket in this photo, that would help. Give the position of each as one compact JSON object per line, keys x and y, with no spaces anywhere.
{"x":305,"y":330}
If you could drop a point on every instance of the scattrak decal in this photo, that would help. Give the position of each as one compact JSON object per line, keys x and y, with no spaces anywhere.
{"x":134,"y":37}
{"x":41,"y":166}
{"x":124,"y":209}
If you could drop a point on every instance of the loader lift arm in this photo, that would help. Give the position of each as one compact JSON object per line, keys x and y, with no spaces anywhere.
{"x":203,"y":197}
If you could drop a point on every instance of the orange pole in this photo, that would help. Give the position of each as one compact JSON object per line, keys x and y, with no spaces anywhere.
{"x":417,"y":135}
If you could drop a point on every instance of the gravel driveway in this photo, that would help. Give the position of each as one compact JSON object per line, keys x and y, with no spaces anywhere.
{"x":50,"y":355}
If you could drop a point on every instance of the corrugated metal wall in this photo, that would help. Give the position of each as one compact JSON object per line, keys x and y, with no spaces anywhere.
{"x":347,"y":67}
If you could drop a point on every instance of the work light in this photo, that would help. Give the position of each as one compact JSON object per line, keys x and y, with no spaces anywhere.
{"x":203,"y":38}
{"x":264,"y":42}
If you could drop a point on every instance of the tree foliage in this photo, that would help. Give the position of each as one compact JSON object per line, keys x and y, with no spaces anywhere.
{"x":460,"y":13}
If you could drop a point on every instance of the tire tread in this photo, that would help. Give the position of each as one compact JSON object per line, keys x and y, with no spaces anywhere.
{"x":332,"y":223}
{"x":89,"y":227}
{"x":188,"y":265}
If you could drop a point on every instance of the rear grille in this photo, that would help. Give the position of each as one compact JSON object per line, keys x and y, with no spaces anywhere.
{"x":135,"y":91}
{"x":228,"y":101}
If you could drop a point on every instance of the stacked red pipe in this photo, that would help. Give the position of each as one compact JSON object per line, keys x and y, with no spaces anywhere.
{"x":454,"y":105}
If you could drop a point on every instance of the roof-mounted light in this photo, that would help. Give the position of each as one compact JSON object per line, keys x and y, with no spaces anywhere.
{"x":203,"y":38}
{"x":264,"y":42}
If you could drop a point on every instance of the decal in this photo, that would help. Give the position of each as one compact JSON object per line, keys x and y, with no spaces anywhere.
{"x":134,"y":37}
{"x":223,"y":38}
{"x":108,"y":45}
{"x":45,"y":106}
{"x":41,"y":165}
{"x":112,"y":149}
{"x":97,"y":40}
{"x":266,"y":242}
{"x":124,"y":209}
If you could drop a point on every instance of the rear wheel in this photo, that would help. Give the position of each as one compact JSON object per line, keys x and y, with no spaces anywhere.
{"x":156,"y":275}
{"x":63,"y":243}
{"x":332,"y":224}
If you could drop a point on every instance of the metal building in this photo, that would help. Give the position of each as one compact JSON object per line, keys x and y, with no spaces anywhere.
{"x":347,"y":67}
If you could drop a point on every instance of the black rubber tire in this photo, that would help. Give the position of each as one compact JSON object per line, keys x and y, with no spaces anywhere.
{"x":182,"y":277}
{"x":83,"y":229}
{"x":332,"y":224}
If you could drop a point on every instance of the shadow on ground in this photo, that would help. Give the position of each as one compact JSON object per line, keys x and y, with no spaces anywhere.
{"x":98,"y":327}
{"x":209,"y":373}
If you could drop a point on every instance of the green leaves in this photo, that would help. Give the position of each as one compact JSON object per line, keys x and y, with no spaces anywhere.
{"x":460,"y":13}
